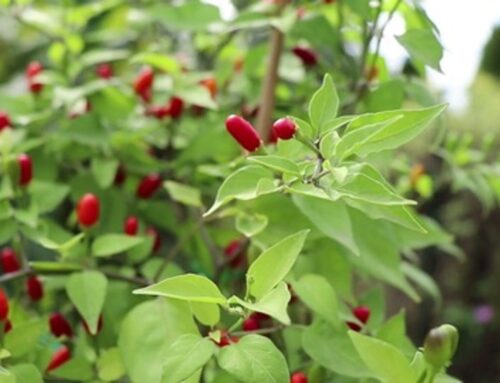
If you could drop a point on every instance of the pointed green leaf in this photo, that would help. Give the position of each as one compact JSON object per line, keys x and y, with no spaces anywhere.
{"x":277,"y":163}
{"x":274,"y":264}
{"x":87,"y":291}
{"x":185,"y":356}
{"x":187,"y":287}
{"x":385,"y":360}
{"x":110,"y":244}
{"x":324,"y":105}
{"x":317,"y":294}
{"x":254,"y":359}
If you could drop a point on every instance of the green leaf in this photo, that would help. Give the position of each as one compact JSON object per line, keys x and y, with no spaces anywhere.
{"x":277,"y":163}
{"x":61,"y":247}
{"x":157,"y":60}
{"x":194,"y":16}
{"x":386,"y":361}
{"x":196,"y":95}
{"x":317,"y":294}
{"x":274,"y":264}
{"x":372,"y":133}
{"x":254,"y":359}
{"x":23,"y":338}
{"x":250,"y":225}
{"x":423,"y":46}
{"x":324,"y":105}
{"x":185,"y":194}
{"x":87,"y":291}
{"x":206,"y":313}
{"x":104,"y":171}
{"x":333,"y":350}
{"x":274,"y":303}
{"x":110,"y":365}
{"x":47,"y":195}
{"x":330,"y":217}
{"x":76,"y":369}
{"x":110,"y":244}
{"x":26,"y":373}
{"x":244,"y":184}
{"x":393,"y":331}
{"x":188,"y":287}
{"x":186,"y":355}
{"x":147,"y":332}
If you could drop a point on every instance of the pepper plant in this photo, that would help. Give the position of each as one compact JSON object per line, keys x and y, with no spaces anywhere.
{"x":158,"y":227}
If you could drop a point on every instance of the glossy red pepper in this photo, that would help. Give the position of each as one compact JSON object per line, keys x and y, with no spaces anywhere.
{"x":284,"y":128}
{"x":243,"y":132}
{"x":25,"y":169}
{"x":34,"y":288}
{"x":61,"y":356}
{"x":148,"y":186}
{"x":88,"y":210}
{"x":59,"y":325}
{"x":9,"y":261}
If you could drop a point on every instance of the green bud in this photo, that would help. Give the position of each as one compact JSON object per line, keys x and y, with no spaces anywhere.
{"x":440,"y":345}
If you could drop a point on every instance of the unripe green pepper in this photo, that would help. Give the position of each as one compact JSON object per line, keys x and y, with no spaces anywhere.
{"x":440,"y":345}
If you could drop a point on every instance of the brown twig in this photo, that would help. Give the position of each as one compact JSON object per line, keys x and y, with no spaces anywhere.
{"x":267,"y":97}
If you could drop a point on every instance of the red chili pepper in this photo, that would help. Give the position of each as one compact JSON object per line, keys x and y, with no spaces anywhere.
{"x":362,"y":313}
{"x":4,"y":121}
{"x":143,"y":84}
{"x":59,"y":325}
{"x":32,"y":71}
{"x":104,"y":71}
{"x":88,"y":210}
{"x":284,"y":128}
{"x":252,"y":323}
{"x":9,"y":260}
{"x":243,"y":132}
{"x":298,"y":377}
{"x":61,"y":356}
{"x":34,"y":287}
{"x":4,"y":306}
{"x":306,"y":55}
{"x":175,"y":107}
{"x":148,"y":185}
{"x":131,"y":225}
{"x":25,"y":169}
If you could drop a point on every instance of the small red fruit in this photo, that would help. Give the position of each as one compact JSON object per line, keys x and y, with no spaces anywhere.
{"x":329,"y":1}
{"x":284,"y":128}
{"x":353,"y":326}
{"x":25,"y":169}
{"x":7,"y":326}
{"x":211,"y":85}
{"x":131,"y":225}
{"x":104,"y":71}
{"x":4,"y":305}
{"x":99,"y":326}
{"x":226,"y":339}
{"x":9,"y":261}
{"x":156,"y":238}
{"x":148,"y":185}
{"x":120,"y":175}
{"x":32,"y":71}
{"x":175,"y":107}
{"x":362,"y":313}
{"x":4,"y":121}
{"x":88,"y":210}
{"x":143,"y":84}
{"x":59,"y":325}
{"x":159,"y":112}
{"x":35,"y":288}
{"x":243,"y":132}
{"x":306,"y":55}
{"x":61,"y":356}
{"x":298,"y":377}
{"x":232,"y":251}
{"x":251,"y":323}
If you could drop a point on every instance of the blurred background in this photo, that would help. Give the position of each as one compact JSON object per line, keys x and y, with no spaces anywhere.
{"x":455,"y":184}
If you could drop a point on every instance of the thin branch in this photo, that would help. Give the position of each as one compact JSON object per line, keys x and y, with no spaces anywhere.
{"x":267,"y":97}
{"x":381,"y":33}
{"x":15,"y":275}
